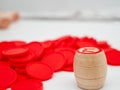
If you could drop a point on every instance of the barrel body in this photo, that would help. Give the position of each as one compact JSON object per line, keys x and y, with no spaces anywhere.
{"x":90,"y":68}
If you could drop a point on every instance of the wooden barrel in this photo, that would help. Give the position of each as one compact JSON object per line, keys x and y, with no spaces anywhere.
{"x":90,"y":68}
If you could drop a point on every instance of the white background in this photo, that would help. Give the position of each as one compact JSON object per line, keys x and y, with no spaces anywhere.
{"x":35,"y":30}
{"x":59,"y":5}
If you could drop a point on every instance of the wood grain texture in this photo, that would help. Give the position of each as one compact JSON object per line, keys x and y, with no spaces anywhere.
{"x":90,"y":70}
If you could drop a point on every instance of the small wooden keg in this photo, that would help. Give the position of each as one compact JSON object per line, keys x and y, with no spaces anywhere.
{"x":90,"y":68}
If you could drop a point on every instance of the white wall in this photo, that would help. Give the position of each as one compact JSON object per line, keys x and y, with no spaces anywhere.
{"x":58,"y":5}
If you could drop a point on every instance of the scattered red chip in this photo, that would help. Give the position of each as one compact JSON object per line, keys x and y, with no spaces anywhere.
{"x":27,"y":85}
{"x":7,"y":77}
{"x":63,"y":41}
{"x":21,"y":77}
{"x":47,"y":44}
{"x":55,"y":60}
{"x":113,"y":57}
{"x":68,"y":68}
{"x":3,"y":89}
{"x":48,"y":47}
{"x":20,"y":70}
{"x":39,"y":70}
{"x":6,"y":46}
{"x":15,"y":52}
{"x":4,"y":64}
{"x":1,"y":55}
{"x":36,"y":48}
{"x":103,"y":44}
{"x":19,"y":43}
{"x":72,"y":43}
{"x":68,"y":54}
{"x":18,"y":65}
{"x":86,"y":42}
{"x":24,"y":59}
{"x":88,"y":39}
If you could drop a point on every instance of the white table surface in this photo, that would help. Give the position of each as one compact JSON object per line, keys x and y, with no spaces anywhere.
{"x":38,"y":30}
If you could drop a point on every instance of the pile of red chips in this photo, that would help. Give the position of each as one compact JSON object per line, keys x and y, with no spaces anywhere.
{"x":23,"y":66}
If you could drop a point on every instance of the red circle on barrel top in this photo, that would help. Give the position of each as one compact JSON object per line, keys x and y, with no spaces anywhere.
{"x":89,"y":50}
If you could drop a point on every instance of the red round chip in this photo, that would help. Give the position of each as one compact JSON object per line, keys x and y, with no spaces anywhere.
{"x":27,"y":85}
{"x":6,"y":46}
{"x":24,"y":59}
{"x":113,"y":57}
{"x":18,"y":43}
{"x":103,"y":44}
{"x":39,"y":70}
{"x":20,"y":70}
{"x":72,"y":43}
{"x":48,"y":47}
{"x":21,"y":77}
{"x":63,"y":41}
{"x":3,"y":89}
{"x":86,"y":42}
{"x":1,"y":55}
{"x":18,"y":65}
{"x":4,"y":64}
{"x":88,"y":39}
{"x":15,"y":52}
{"x":36,"y":48}
{"x":68,"y":54}
{"x":7,"y":77}
{"x":47,"y":44}
{"x":55,"y":60}
{"x":68,"y":68}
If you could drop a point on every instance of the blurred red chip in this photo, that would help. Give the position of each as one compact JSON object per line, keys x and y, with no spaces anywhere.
{"x":15,"y":52}
{"x":36,"y":48}
{"x":4,"y":64}
{"x":21,"y":77}
{"x":47,"y":44}
{"x":27,"y":85}
{"x":39,"y":70}
{"x":3,"y":89}
{"x":104,"y":45}
{"x":1,"y":55}
{"x":68,"y":54}
{"x":63,"y":41}
{"x":6,"y":45}
{"x":18,"y":65}
{"x":113,"y":57}
{"x":20,"y":70}
{"x":68,"y":68}
{"x":18,"y":43}
{"x":86,"y":42}
{"x":7,"y":77}
{"x":24,"y":59}
{"x":55,"y":60}
{"x":48,"y":47}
